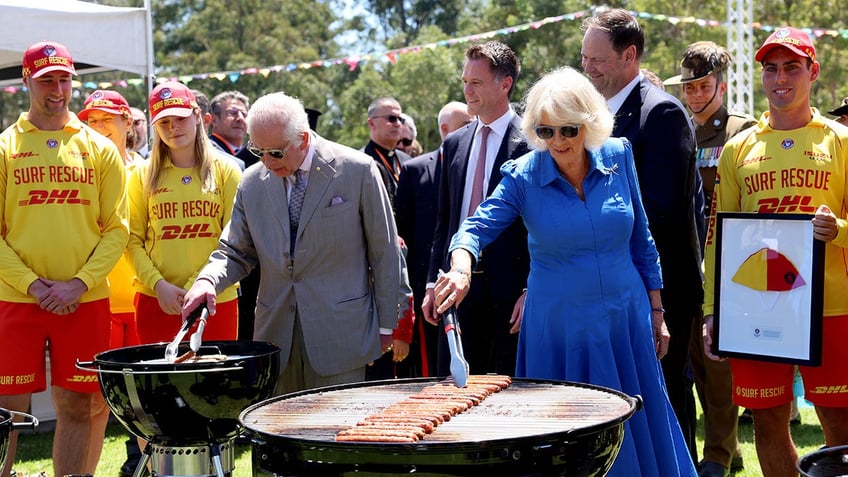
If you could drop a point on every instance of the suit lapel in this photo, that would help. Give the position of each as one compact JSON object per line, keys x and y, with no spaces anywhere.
{"x":463,"y":150}
{"x":275,"y":189}
{"x":320,"y":177}
{"x":433,"y":168}
{"x":628,"y":114}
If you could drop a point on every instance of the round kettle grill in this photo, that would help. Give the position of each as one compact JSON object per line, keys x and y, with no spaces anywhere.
{"x":7,"y":425}
{"x":825,"y":462}
{"x":533,"y":427}
{"x":188,"y":411}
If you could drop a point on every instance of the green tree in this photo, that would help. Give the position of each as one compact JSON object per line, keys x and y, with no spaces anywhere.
{"x":406,"y":18}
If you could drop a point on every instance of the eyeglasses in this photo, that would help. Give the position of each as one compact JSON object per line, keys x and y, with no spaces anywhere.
{"x":260,"y":153}
{"x":235,"y":112}
{"x":391,"y":118}
{"x":404,"y":142}
{"x":547,"y":132}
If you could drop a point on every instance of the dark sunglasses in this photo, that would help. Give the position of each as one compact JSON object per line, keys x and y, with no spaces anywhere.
{"x":392,"y":118}
{"x":547,"y":132}
{"x":260,"y":153}
{"x":405,"y":142}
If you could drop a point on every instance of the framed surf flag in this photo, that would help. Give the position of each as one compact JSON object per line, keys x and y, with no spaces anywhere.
{"x":769,"y":288}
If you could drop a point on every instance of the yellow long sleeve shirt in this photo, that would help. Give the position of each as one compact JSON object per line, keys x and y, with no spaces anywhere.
{"x":121,"y":277}
{"x":173,"y":230}
{"x":63,"y":205}
{"x":769,"y":171}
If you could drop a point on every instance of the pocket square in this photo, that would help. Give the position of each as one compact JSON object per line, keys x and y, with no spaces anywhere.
{"x":336,"y":201}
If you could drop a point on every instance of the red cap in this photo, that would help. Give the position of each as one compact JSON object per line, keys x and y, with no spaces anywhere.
{"x":796,"y":40}
{"x":47,"y":56}
{"x":171,"y":99}
{"x":107,"y":101}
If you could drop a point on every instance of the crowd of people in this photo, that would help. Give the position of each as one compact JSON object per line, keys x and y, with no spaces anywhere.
{"x":574,"y":237}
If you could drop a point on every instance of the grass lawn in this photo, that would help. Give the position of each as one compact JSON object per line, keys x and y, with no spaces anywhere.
{"x":34,"y":449}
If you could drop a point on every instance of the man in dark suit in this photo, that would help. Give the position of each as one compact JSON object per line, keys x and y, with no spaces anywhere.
{"x":416,"y":205}
{"x":386,"y":126}
{"x":489,"y":75}
{"x":664,"y":149}
{"x":328,"y":294}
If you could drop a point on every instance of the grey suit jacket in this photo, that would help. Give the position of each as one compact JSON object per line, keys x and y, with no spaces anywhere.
{"x":344,"y":279}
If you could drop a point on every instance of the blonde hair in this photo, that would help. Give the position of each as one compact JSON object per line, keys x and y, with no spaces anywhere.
{"x":568,"y":98}
{"x":204,"y":154}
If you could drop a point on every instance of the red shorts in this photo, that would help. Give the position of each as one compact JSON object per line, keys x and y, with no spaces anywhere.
{"x":761,"y":384}
{"x":154,"y":325}
{"x":124,"y":331}
{"x":25,"y":332}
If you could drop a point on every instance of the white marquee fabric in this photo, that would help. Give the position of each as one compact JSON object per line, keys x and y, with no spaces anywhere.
{"x":100,"y":38}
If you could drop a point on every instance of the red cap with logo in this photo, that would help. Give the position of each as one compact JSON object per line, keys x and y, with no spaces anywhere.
{"x":171,"y":99}
{"x":46,"y":56}
{"x":794,"y":39}
{"x":107,"y":101}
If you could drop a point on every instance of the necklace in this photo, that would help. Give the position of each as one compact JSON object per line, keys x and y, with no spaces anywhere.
{"x":578,"y":187}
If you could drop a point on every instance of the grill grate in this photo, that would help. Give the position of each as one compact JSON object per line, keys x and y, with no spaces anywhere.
{"x":525,"y":409}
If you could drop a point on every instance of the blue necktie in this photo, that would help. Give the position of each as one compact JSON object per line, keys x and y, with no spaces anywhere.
{"x":295,"y":205}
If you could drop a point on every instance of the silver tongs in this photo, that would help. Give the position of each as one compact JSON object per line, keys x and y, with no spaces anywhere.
{"x":194,"y":342}
{"x":458,"y":365}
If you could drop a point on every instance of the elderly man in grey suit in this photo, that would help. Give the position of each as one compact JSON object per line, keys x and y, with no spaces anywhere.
{"x":330,"y":268}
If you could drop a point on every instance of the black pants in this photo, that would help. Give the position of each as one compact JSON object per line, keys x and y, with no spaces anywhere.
{"x":484,"y":323}
{"x":679,"y":380}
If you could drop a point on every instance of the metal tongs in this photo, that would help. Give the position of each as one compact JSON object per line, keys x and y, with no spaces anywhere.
{"x":458,"y":365}
{"x":173,"y":347}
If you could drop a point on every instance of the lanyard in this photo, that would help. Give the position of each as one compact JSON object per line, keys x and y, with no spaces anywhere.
{"x":389,"y":166}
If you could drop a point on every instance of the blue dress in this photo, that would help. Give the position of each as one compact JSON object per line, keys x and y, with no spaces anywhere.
{"x":587,"y":316}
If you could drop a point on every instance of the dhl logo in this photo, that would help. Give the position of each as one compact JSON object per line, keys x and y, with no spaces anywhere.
{"x":174,"y":232}
{"x":831,"y":389}
{"x":55,"y":196}
{"x":22,"y":155}
{"x":786,"y":204}
{"x":77,"y":378}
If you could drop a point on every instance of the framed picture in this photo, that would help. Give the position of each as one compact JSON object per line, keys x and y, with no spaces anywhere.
{"x":769,"y":288}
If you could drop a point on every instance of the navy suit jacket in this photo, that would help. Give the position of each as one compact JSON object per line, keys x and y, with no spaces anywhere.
{"x":416,"y":206}
{"x":664,"y":150}
{"x":506,"y":260}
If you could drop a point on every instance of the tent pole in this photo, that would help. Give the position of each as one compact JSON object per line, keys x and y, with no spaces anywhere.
{"x":151,"y":77}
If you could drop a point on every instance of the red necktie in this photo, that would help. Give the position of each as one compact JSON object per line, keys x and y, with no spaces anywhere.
{"x":479,"y":173}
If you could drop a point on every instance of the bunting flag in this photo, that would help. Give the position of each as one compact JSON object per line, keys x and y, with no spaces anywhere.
{"x":391,"y":56}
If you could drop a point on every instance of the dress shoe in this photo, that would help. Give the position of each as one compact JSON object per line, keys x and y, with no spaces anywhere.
{"x":129,"y":466}
{"x":736,"y":464}
{"x":711,"y":469}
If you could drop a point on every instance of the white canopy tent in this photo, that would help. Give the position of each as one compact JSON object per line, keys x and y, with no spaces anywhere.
{"x":100,"y":38}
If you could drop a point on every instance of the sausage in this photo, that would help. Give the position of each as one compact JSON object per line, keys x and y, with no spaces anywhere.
{"x":368,"y":438}
{"x":377,"y":420}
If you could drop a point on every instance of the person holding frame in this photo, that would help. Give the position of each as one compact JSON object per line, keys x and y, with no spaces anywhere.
{"x":768,"y":169}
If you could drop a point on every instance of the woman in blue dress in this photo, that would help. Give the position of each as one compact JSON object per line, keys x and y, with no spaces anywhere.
{"x":593,"y":311}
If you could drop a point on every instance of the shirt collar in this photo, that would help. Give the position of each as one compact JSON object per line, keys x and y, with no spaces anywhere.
{"x":817,"y":120}
{"x":383,"y":150}
{"x":306,"y":165}
{"x":500,"y":125}
{"x":24,"y":124}
{"x":617,"y":101}
{"x":550,"y":173}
